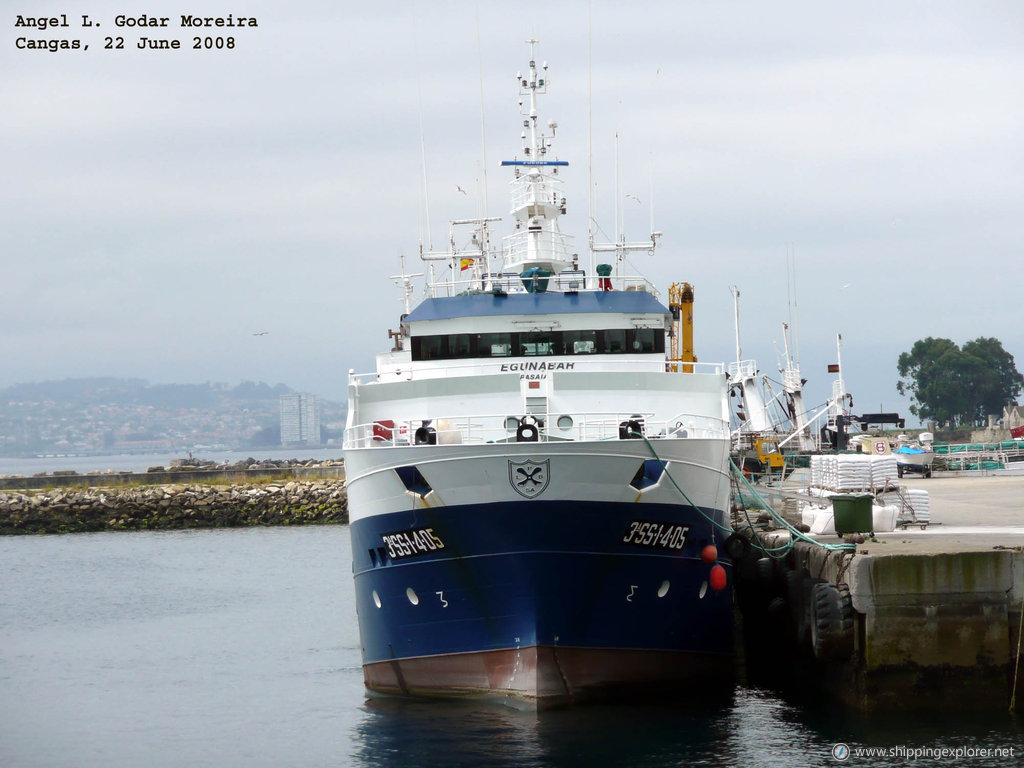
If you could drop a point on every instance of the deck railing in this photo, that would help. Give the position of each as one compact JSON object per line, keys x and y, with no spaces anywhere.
{"x":543,"y":428}
{"x":562,"y":282}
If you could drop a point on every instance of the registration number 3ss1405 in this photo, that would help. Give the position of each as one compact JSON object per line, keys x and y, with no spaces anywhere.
{"x":656,"y":534}
{"x":417,"y":541}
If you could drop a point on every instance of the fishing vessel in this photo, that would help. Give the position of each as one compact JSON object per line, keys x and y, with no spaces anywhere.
{"x":537,"y":491}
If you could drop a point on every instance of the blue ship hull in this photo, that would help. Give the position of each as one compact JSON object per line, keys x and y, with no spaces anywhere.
{"x":544,"y":599}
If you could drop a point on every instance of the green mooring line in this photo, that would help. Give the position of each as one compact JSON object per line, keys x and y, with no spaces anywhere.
{"x":664,"y":469}
{"x":777,"y":552}
{"x":794,"y":533}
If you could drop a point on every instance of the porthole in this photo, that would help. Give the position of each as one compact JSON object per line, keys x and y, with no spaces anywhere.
{"x":511,"y":423}
{"x":565,"y":422}
{"x":663,"y":589}
{"x":376,"y":598}
{"x":703,"y":590}
{"x":413,"y":597}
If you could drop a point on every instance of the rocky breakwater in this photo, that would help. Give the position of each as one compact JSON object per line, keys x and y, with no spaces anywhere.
{"x":170,"y":506}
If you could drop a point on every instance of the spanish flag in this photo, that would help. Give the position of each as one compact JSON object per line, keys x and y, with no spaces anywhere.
{"x":465,"y":264}
{"x":833,"y":367}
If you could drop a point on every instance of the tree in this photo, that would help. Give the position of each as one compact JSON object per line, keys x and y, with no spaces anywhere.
{"x":1000,"y":383}
{"x":959,"y":386}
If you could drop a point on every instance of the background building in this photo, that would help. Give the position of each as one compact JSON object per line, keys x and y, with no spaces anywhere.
{"x":300,"y":419}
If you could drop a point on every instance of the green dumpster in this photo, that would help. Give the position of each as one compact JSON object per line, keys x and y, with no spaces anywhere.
{"x":852,"y":513}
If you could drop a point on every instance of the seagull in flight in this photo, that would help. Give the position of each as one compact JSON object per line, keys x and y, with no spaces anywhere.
{"x":461,"y":189}
{"x":261,"y":333}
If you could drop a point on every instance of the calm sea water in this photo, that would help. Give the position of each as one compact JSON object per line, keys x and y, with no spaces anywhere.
{"x":240,"y":648}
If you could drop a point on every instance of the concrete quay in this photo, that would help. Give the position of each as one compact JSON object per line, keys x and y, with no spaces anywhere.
{"x":913,"y":619}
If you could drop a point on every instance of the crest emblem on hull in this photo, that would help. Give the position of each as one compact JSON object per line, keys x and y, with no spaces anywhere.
{"x":529,"y":478}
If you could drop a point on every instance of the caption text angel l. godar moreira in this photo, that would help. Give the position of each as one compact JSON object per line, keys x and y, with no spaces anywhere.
{"x":77,"y":32}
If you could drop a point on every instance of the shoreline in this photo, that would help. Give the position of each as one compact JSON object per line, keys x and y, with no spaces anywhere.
{"x":277,"y":498}
{"x":140,"y":462}
{"x":178,"y":471}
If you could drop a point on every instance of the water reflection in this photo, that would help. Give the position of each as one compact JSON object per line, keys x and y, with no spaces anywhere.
{"x":750,"y":726}
{"x":426,"y":733}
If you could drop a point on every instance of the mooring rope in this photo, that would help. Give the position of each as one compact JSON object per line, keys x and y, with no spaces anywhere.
{"x":794,"y":533}
{"x":777,"y":552}
{"x":664,"y":469}
{"x":1016,"y":664}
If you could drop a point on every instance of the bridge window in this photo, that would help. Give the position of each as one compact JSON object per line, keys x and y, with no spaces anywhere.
{"x":615,"y":341}
{"x":643,"y":340}
{"x":430,"y":348}
{"x":580,"y":342}
{"x":539,"y":343}
{"x":492,"y":345}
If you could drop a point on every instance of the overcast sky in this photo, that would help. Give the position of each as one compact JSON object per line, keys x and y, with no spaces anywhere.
{"x":161,"y":207}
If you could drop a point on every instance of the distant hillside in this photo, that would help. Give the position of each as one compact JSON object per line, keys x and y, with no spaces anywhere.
{"x":131,"y":415}
{"x":112,"y":391}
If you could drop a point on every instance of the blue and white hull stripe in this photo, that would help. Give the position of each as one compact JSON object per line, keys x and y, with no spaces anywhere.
{"x":484,"y":577}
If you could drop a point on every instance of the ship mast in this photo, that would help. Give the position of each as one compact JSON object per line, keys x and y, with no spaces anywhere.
{"x":793,"y":386}
{"x":537,"y":196}
{"x":744,"y":376}
{"x":839,"y":394}
{"x":404,"y":283}
{"x":620,"y":247}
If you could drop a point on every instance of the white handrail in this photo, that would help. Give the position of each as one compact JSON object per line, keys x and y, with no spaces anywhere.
{"x":512,"y":283}
{"x":502,"y":428}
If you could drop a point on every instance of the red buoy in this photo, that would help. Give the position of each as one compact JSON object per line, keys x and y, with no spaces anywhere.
{"x":709,"y":555}
{"x":717,"y":578}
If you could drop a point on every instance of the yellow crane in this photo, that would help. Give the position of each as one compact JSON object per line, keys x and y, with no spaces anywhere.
{"x":680,"y":303}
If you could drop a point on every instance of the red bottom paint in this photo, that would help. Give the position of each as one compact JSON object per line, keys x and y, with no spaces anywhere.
{"x":543,"y":677}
